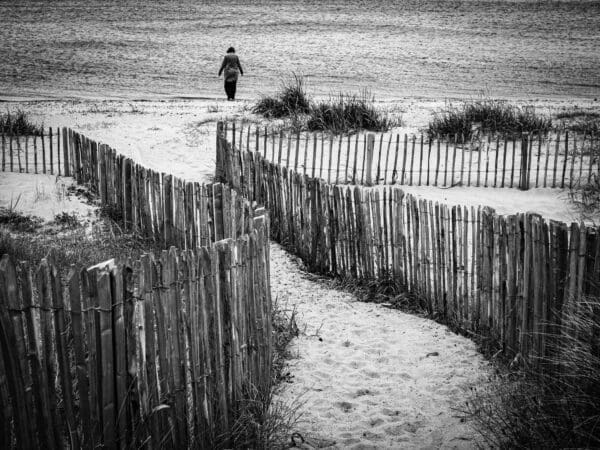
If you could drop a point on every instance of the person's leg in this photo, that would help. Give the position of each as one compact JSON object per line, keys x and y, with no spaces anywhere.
{"x":233,"y":89}
{"x":228,"y":90}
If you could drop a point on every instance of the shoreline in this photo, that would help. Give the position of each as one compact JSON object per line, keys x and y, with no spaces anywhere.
{"x":588,"y":102}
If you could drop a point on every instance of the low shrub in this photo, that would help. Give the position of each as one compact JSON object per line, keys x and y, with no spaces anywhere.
{"x":347,"y":113}
{"x":19,"y":124}
{"x":557,"y":406}
{"x":491,"y":116}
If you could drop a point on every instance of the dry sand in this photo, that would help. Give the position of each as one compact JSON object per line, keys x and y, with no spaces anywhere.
{"x":42,"y":196}
{"x":364,"y":376}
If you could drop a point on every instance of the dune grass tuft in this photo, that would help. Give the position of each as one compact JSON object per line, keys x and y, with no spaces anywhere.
{"x":490,"y":116}
{"x":348,"y":113}
{"x":289,"y":101}
{"x":19,"y":124}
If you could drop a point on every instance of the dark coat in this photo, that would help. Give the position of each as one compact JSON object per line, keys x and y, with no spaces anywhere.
{"x":232,"y":67}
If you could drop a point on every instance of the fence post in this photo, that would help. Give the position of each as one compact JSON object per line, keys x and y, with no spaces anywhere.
{"x":219,"y":156}
{"x":369,"y":156}
{"x":524,"y":179}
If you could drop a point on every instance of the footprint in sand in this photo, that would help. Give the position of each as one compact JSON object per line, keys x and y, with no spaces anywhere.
{"x":365,"y":447}
{"x":398,"y":430}
{"x":345,"y":406}
{"x":369,"y":435}
{"x":356,"y":364}
{"x":363,"y":392}
{"x":376,"y":421}
{"x":371,"y":374}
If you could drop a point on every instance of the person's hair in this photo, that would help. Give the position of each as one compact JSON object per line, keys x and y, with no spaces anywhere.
{"x":231,"y":50}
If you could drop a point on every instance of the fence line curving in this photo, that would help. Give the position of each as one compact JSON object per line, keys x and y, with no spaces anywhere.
{"x":168,"y":351}
{"x":508,"y":278}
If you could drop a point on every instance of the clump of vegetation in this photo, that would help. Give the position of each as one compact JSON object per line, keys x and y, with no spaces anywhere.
{"x":291,"y":100}
{"x":580,"y":121}
{"x":19,"y":124}
{"x":557,"y":406}
{"x":490,"y":116}
{"x":346,"y":113}
{"x":17,"y":221}
{"x":68,"y":220}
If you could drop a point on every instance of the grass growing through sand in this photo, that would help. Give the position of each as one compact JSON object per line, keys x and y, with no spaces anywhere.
{"x":490,"y":116}
{"x":558,"y":407}
{"x":19,"y":124}
{"x":579,"y":121}
{"x":291,"y":100}
{"x":24,"y":238}
{"x":344,"y":113}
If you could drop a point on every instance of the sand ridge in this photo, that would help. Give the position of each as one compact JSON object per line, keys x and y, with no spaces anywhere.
{"x":366,"y":376}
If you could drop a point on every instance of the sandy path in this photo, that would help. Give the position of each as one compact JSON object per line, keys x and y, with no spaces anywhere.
{"x":361,"y":373}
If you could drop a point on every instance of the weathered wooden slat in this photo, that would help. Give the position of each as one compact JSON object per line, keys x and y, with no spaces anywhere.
{"x":446,"y":157}
{"x":48,"y":362}
{"x":3,"y":140}
{"x":77,"y":326}
{"x":437,"y":163}
{"x":13,"y":346}
{"x":62,"y":356}
{"x":404,"y":156}
{"x":395,"y":170}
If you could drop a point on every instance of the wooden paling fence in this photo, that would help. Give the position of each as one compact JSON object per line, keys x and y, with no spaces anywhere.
{"x":165,"y":352}
{"x":505,"y":277}
{"x":158,"y":205}
{"x":44,"y":152}
{"x":557,"y":160}
{"x":169,"y":351}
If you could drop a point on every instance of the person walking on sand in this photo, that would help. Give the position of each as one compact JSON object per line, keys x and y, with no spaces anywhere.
{"x":232,"y":67}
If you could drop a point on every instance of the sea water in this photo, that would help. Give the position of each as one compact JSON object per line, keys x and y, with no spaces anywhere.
{"x":434,"y":49}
